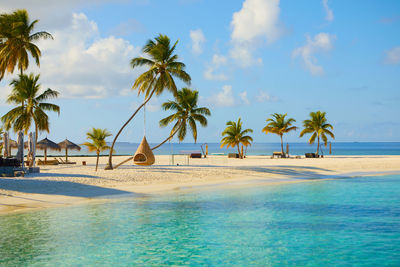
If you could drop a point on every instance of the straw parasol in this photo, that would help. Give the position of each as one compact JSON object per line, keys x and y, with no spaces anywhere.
{"x":47,"y":144}
{"x":66,"y":144}
{"x":11,"y":144}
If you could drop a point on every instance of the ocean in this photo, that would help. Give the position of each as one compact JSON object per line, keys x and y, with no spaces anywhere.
{"x":338,"y":148}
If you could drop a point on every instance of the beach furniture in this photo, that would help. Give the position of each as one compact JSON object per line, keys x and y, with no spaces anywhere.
{"x":47,"y":144}
{"x":144,"y":156}
{"x":47,"y":162}
{"x":278,"y":154}
{"x":233,"y":155}
{"x":310,"y":155}
{"x":66,"y":144}
{"x":195,"y":155}
{"x":61,"y":161}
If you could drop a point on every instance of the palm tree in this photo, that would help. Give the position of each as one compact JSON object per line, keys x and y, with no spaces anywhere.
{"x":318,"y":127}
{"x":163,"y":66}
{"x":97,"y":136}
{"x":236,"y":136}
{"x":30,"y":105}
{"x":186,"y":115}
{"x":16,"y":41}
{"x":278,"y":125}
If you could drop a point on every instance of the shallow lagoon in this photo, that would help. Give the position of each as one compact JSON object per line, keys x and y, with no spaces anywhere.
{"x":353,"y":221}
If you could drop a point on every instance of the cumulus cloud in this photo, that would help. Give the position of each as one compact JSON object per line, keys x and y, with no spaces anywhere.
{"x":227,"y":98}
{"x":258,"y":20}
{"x":217,"y":61}
{"x":244,"y":98}
{"x":392,"y":56}
{"x":265,"y":97}
{"x":223,"y":98}
{"x":209,"y":74}
{"x":322,"y":42}
{"x":198,"y":39}
{"x":329,"y":12}
{"x":80,"y":64}
{"x":52,"y":14}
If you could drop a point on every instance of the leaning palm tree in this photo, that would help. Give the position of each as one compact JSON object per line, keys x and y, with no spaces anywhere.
{"x":318,"y":127}
{"x":163,"y":66}
{"x":97,"y":136}
{"x":17,"y":41}
{"x":186,"y":115}
{"x":278,"y":125}
{"x":236,"y":136}
{"x":30,"y":105}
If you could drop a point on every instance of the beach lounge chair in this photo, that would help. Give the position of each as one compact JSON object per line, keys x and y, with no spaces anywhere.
{"x":195,"y":155}
{"x":278,"y":155}
{"x":48,"y":162}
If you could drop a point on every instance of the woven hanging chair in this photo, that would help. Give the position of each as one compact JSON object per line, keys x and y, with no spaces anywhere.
{"x":144,"y":155}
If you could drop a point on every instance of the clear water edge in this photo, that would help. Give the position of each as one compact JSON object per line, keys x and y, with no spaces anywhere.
{"x":333,"y":222}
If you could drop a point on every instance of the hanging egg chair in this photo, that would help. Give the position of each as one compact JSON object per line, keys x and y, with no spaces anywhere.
{"x":144,"y":156}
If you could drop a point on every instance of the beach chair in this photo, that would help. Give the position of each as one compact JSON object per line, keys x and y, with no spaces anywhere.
{"x":61,"y":161}
{"x":277,"y":154}
{"x":195,"y":155}
{"x":48,"y":162}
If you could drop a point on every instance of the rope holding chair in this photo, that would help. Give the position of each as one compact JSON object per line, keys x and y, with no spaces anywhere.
{"x":144,"y":156}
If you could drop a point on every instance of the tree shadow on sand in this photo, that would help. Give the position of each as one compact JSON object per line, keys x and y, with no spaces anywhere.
{"x":64,"y":188}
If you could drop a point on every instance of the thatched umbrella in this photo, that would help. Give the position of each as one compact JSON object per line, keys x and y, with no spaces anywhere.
{"x":47,"y":144}
{"x":66,"y":144}
{"x":11,"y":144}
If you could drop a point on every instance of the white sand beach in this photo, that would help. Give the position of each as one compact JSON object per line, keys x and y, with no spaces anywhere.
{"x":63,"y":185}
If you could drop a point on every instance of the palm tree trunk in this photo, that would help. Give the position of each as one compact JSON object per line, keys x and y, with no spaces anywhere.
{"x":169,"y":137}
{"x":97,"y":160}
{"x":109,"y":164}
{"x":239,"y":151}
{"x":282,"y":145}
{"x":318,"y":147}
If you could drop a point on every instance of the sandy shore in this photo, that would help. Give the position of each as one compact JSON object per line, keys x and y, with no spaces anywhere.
{"x":71,"y":184}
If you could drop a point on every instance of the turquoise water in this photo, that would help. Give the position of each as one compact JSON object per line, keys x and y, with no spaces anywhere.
{"x":342,"y":222}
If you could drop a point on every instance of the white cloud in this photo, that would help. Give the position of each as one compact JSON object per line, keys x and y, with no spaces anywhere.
{"x":224,"y":98}
{"x":265,"y":97}
{"x":198,"y":40}
{"x":241,"y":53}
{"x":329,"y":13}
{"x":322,"y":42}
{"x":79,"y":63}
{"x":52,"y":14}
{"x":209,"y":74}
{"x":217,"y":61}
{"x":258,"y":20}
{"x":393,"y":56}
{"x":243,"y":96}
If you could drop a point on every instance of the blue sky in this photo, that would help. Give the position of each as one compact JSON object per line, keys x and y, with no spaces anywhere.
{"x":247,"y":58}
